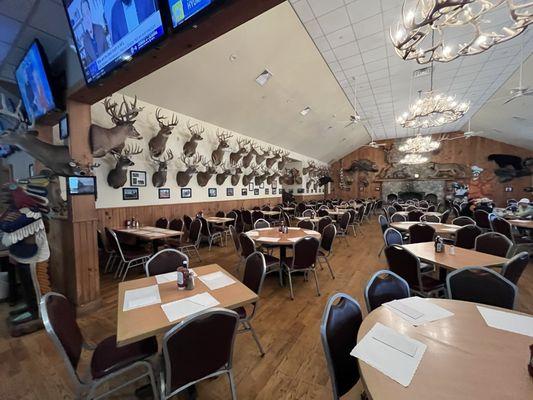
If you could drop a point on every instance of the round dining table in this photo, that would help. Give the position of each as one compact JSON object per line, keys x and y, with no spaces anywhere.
{"x":465,"y":358}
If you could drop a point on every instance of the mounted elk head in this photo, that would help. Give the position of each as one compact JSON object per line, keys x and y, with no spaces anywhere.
{"x":259,"y":158}
{"x":247,"y":159}
{"x":105,"y":140}
{"x":117,"y":177}
{"x":276,"y":155}
{"x":158,"y":143}
{"x":259,"y":179}
{"x":56,"y":158}
{"x":191,"y":167}
{"x":196,"y":131}
{"x":159,"y":178}
{"x":204,"y":177}
{"x":284,"y":159}
{"x":217,"y":157}
{"x":272,"y":178}
{"x":236,"y":175}
{"x":236,"y":156}
{"x":222,"y":176}
{"x":247,"y":178}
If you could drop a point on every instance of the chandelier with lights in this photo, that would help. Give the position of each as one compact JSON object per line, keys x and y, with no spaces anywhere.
{"x":419,"y":144}
{"x":446,"y":18}
{"x":413,"y":159}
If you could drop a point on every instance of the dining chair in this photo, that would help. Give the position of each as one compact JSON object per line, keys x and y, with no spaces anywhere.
{"x":210,"y":333}
{"x":287,"y":219}
{"x":482,"y":219}
{"x":342,"y":230}
{"x":481,"y":285}
{"x":253,"y":278}
{"x":309,"y":213}
{"x":411,"y":208}
{"x":405,"y":264}
{"x":161,"y":223}
{"x":326,"y":246}
{"x":493,"y":243}
{"x":187,"y":221}
{"x":385,"y":286}
{"x":384,"y":225}
{"x":209,"y":235}
{"x":430,"y":218}
{"x":465,"y":236}
{"x":306,"y":224}
{"x":257,"y":215}
{"x":248,"y":248}
{"x":462,"y":221}
{"x":389,"y":212}
{"x":432,"y":208}
{"x":340,"y":324}
{"x":164,"y":261}
{"x":354,"y":222}
{"x":322,"y":213}
{"x":124,"y":365}
{"x":323,"y":222}
{"x":397,"y":206}
{"x":396,"y":217}
{"x":261,"y":224}
{"x":129,"y":258}
{"x":421,"y":232}
{"x":445,"y":215}
{"x":303,"y":259}
{"x":247,"y":220}
{"x":108,"y":249}
{"x":513,"y":268}
{"x":392,"y":236}
{"x":414,"y":215}
{"x":520,"y":242}
{"x":193,"y":239}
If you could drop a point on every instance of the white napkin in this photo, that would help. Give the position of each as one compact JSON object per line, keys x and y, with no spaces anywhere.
{"x":137,"y":298}
{"x":180,"y":309}
{"x":216,"y":280}
{"x":268,"y":239}
{"x":516,"y":323}
{"x":417,"y":311}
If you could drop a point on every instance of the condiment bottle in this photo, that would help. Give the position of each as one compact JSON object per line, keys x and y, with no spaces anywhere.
{"x":183,"y":275}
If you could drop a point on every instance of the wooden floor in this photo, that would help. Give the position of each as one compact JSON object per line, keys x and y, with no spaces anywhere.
{"x":294,"y":366}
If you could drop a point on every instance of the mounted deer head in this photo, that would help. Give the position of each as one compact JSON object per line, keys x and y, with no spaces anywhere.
{"x":247,"y":159}
{"x":196,"y":131}
{"x":311,"y":167}
{"x":105,"y":140}
{"x":218,"y":154}
{"x":236,"y":175}
{"x":247,"y":178}
{"x":284,"y":158}
{"x":222,"y":176}
{"x":259,"y":179}
{"x":276,"y":155}
{"x":159,"y":178}
{"x":158,"y":143}
{"x":272,"y":178}
{"x":56,"y":158}
{"x":204,"y":177}
{"x":117,"y":177}
{"x":236,"y":156}
{"x":259,"y":158}
{"x":191,"y":167}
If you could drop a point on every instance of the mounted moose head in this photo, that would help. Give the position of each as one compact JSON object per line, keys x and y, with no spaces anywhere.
{"x":56,"y":158}
{"x":105,"y":140}
{"x":259,"y":179}
{"x":276,"y":155}
{"x":272,"y":178}
{"x":158,"y":143}
{"x":191,"y":167}
{"x":159,"y":178}
{"x":196,"y":131}
{"x":204,"y":177}
{"x":236,"y":175}
{"x":246,"y":179}
{"x":236,"y":156}
{"x":117,"y":177}
{"x":247,"y":159}
{"x":284,"y":158}
{"x":222,"y":176}
{"x":259,"y":158}
{"x":218,"y":154}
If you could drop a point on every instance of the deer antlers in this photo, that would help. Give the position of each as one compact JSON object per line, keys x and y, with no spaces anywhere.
{"x":195,"y":130}
{"x":190,"y":162}
{"x":132,"y":150}
{"x":161,"y":120}
{"x":169,"y":156}
{"x":126,"y":112}
{"x":223,"y":136}
{"x":242,"y":143}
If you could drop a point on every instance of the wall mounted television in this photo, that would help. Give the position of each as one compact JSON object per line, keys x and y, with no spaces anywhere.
{"x":79,"y":185}
{"x":183,"y":10}
{"x":109,"y":33}
{"x":32,"y":75}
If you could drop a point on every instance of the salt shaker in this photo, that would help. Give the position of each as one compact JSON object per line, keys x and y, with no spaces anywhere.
{"x":452,"y":250}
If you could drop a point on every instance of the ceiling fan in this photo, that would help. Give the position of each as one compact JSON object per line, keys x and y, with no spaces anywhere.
{"x":466,"y":135}
{"x":520,"y":90}
{"x":355,"y":118}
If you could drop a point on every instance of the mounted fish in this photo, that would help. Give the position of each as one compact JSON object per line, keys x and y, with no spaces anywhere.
{"x":217,"y":157}
{"x":159,"y":178}
{"x":284,"y":159}
{"x":276,"y":155}
{"x":236,"y":175}
{"x":191,"y":167}
{"x":222,"y":176}
{"x":106,"y":140}
{"x":236,"y":156}
{"x":248,"y":158}
{"x":158,"y":143}
{"x":196,"y":131}
{"x":204,"y":177}
{"x":247,"y":178}
{"x":117,"y":177}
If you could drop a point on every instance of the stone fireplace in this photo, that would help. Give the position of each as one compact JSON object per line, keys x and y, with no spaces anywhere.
{"x":414,"y":188}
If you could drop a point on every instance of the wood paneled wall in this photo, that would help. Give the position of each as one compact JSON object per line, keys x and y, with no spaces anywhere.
{"x":472,"y":151}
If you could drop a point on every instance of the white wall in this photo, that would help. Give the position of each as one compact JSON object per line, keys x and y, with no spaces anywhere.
{"x":147,"y":126}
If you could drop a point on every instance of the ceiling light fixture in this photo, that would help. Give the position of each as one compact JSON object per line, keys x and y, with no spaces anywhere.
{"x":442,"y":17}
{"x":413,"y":159}
{"x":419,"y":144}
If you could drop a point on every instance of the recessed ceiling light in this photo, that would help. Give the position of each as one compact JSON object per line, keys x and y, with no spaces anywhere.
{"x":305,"y":111}
{"x":263,"y":78}
{"x":233,"y":57}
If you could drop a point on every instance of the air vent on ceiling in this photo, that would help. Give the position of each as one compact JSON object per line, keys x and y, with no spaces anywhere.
{"x":419,"y":73}
{"x":263,"y":78}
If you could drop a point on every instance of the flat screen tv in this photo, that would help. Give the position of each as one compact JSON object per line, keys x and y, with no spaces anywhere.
{"x":182,"y":10}
{"x":78,"y":185}
{"x":34,"y":84}
{"x":109,"y":33}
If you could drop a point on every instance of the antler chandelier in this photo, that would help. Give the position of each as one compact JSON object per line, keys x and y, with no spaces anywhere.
{"x":419,"y":144}
{"x":413,"y":159}
{"x":444,"y":18}
{"x":432,"y":110}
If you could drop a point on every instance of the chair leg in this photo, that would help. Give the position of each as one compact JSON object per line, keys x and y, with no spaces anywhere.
{"x":153,"y":382}
{"x":381,"y":251}
{"x":232,"y":385}
{"x":330,"y":268}
{"x":316,"y":281}
{"x":290,"y":286}
{"x":251,"y":328}
{"x":210,"y":241}
{"x":126,"y":272}
{"x":119,"y":269}
{"x":197,"y":253}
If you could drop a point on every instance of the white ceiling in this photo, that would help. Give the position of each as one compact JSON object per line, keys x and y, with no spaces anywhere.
{"x":353,"y":37}
{"x":208,"y":86}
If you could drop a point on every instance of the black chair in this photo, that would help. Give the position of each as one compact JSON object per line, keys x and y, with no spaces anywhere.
{"x":481,"y":285}
{"x":128,"y":257}
{"x":341,"y":321}
{"x":257,"y":215}
{"x":187,"y":221}
{"x":166,"y":260}
{"x":397,"y":206}
{"x":304,"y":256}
{"x":322,"y":213}
{"x":261,"y":223}
{"x":462,"y":221}
{"x":465,"y":237}
{"x":385,"y":286}
{"x":323,"y":222}
{"x":520,"y":242}
{"x":389,"y":212}
{"x":430,"y":218}
{"x":193,"y":239}
{"x":493,"y":243}
{"x":248,"y":248}
{"x":384,"y":225}
{"x":342,"y":230}
{"x":161,"y":223}
{"x":482,"y":219}
{"x":210,"y":333}
{"x":444,"y":216}
{"x":420,"y":233}
{"x":392,"y":236}
{"x":247,"y":220}
{"x":397,"y":217}
{"x":254,"y":276}
{"x":176,"y":225}
{"x":405,"y":264}
{"x":237,"y":244}
{"x":513,"y":268}
{"x":108,"y":362}
{"x":306,"y":224}
{"x":209,"y":235}
{"x":414,"y":215}
{"x":326,"y":246}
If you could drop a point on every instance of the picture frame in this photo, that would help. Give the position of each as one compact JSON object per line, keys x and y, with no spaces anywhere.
{"x":256,"y":192}
{"x":138,"y":178}
{"x":274,"y":191}
{"x":251,"y":186}
{"x":186,"y":193}
{"x":212,"y":192}
{"x":164,"y":193}
{"x":267,"y":191}
{"x":130,"y":193}
{"x":244,"y":192}
{"x":63,"y":128}
{"x":31,"y":170}
{"x":275,"y":184}
{"x":229,"y":192}
{"x":300,"y":190}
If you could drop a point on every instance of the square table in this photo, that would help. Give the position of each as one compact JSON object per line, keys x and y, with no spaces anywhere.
{"x":140,"y":323}
{"x":461,"y":259}
{"x":218,"y":220}
{"x":151,"y":233}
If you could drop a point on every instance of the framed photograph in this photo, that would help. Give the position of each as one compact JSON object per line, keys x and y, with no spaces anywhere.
{"x":300,"y":190}
{"x":78,"y":185}
{"x":212,"y":192}
{"x":244,"y":192}
{"x":262,"y":185}
{"x":274,"y":191}
{"x":251,"y":186}
{"x":267,"y":191}
{"x":275,"y":184}
{"x":507,"y":188}
{"x":130,"y":194}
{"x":256,"y":192}
{"x":63,"y":127}
{"x":31,"y":170}
{"x":138,"y":178}
{"x":229,"y":192}
{"x":164,"y":193}
{"x":186,"y":193}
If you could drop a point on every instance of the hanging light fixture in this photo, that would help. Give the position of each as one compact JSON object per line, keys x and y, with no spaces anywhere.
{"x":413,"y":159}
{"x":419,"y":144}
{"x":445,"y":18}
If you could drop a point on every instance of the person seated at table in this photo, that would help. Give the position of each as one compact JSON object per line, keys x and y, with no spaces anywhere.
{"x":525,"y":209}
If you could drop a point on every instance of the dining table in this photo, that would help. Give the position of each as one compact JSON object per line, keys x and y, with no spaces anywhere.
{"x":465,"y":358}
{"x":521,"y":223}
{"x":432,"y":213}
{"x":218,"y":220}
{"x":150,"y":233}
{"x":440,"y":228}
